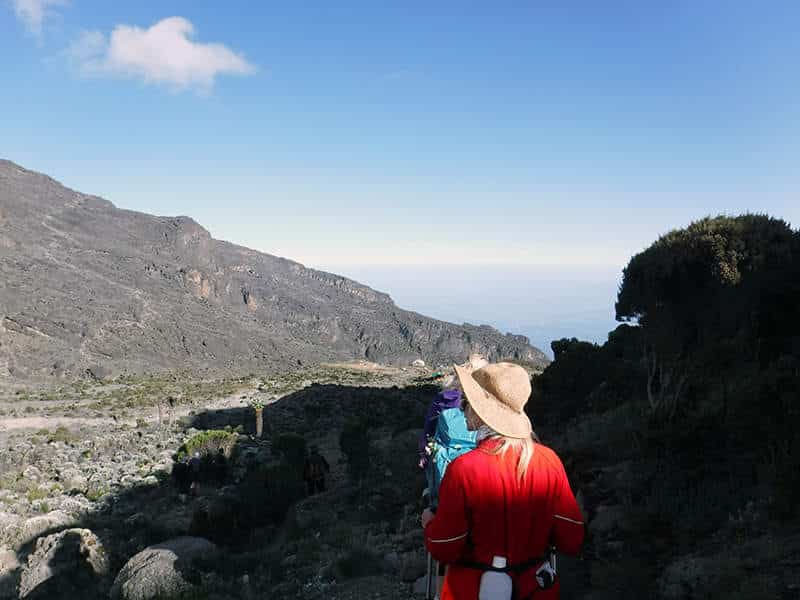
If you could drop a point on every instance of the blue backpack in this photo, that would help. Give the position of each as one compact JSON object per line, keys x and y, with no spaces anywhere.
{"x":451,"y":440}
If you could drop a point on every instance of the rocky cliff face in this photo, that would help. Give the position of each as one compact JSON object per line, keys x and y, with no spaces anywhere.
{"x":85,"y":286}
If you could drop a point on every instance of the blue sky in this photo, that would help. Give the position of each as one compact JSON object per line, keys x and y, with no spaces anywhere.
{"x":367,"y":133}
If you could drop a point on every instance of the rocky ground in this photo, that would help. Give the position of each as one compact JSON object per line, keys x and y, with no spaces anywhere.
{"x":93,"y":505}
{"x":90,"y":506}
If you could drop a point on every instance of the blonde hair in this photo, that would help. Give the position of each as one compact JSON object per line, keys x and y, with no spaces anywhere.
{"x":525,"y":446}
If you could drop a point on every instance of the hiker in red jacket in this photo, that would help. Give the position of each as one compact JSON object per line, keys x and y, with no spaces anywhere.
{"x":507,"y":501}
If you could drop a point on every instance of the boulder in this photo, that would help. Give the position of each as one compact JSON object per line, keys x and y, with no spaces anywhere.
{"x":421,"y":586}
{"x":64,"y":565}
{"x":49,"y":523}
{"x":10,"y":529}
{"x":608,"y":520}
{"x":166,"y":569}
{"x":9,"y":566}
{"x":413,"y":566}
{"x":32,"y":474}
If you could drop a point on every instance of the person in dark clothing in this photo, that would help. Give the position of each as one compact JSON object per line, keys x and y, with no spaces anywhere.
{"x":314,"y":471}
{"x":219,"y":467}
{"x":195,"y":468}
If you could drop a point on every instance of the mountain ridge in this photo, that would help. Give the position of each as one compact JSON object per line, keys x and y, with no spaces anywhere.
{"x":90,"y":287}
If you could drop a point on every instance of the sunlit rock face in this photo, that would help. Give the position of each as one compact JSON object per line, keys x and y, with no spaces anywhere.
{"x":87,"y":287}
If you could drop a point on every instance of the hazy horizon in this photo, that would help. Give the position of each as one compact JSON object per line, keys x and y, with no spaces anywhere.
{"x":542,"y":303}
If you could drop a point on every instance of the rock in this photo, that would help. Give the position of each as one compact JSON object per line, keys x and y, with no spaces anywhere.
{"x":418,"y":363}
{"x":98,"y":372}
{"x":10,"y":529}
{"x":168,"y":569}
{"x":413,"y":566}
{"x":391,"y":562}
{"x":687,"y":573}
{"x":63,"y":565}
{"x":9,"y":566}
{"x":76,"y":483}
{"x":32,"y":474}
{"x":75,"y":506}
{"x":49,"y":523}
{"x":420,"y":586}
{"x":607,"y":520}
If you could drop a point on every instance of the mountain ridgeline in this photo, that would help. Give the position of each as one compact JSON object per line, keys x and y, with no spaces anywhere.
{"x":86,"y":287}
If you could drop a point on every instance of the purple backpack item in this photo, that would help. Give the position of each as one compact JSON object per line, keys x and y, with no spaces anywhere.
{"x":442,"y":401}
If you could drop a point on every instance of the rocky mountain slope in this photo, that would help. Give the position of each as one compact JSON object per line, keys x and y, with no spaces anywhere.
{"x":88,"y":287}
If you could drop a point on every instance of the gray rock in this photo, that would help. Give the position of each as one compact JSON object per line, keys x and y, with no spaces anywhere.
{"x":49,"y":523}
{"x":607,"y":520}
{"x":9,"y":566}
{"x":32,"y":474}
{"x":421,"y":586}
{"x":10,"y":529}
{"x":391,"y":562}
{"x":413,"y":567}
{"x":170,"y":568}
{"x":63,"y":565}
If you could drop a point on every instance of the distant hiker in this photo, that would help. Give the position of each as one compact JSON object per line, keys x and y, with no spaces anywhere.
{"x":450,"y":397}
{"x":443,"y":400}
{"x":314,"y":471}
{"x":170,"y":410}
{"x":444,"y":438}
{"x":503,"y":504}
{"x":182,"y":477}
{"x":195,"y":468}
{"x":219,"y":466}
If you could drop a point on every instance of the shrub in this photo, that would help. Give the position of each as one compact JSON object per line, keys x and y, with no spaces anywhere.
{"x":358,"y":562}
{"x":269,"y":492}
{"x":208,"y":443}
{"x":36,"y":493}
{"x":62,"y":434}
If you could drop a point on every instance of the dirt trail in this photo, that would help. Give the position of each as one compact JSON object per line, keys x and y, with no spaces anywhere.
{"x":150,"y":415}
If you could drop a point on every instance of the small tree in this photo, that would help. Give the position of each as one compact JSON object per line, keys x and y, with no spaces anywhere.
{"x":258,"y":407}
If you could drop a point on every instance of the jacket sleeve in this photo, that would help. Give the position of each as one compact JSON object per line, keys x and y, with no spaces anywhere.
{"x":568,"y":527}
{"x":446,"y":534}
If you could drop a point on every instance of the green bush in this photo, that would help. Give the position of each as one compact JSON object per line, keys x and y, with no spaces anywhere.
{"x":208,"y":443}
{"x":37,"y":493}
{"x":62,"y":434}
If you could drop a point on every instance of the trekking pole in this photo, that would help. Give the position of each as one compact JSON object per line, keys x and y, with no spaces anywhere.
{"x":429,"y":580}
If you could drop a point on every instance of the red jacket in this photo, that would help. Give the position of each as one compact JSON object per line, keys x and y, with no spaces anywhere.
{"x":485,"y":510}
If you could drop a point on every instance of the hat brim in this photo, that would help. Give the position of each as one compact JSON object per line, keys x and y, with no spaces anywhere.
{"x":500,"y":417}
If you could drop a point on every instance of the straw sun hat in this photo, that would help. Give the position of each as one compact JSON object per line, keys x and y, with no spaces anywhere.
{"x":498,"y":394}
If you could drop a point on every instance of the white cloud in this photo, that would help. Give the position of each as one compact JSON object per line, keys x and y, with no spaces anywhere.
{"x":33,"y":12}
{"x":163,"y":54}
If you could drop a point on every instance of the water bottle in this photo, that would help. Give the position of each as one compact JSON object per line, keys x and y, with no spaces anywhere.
{"x":496,"y":585}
